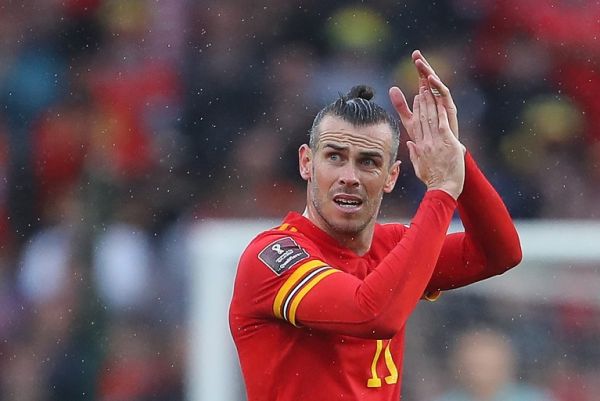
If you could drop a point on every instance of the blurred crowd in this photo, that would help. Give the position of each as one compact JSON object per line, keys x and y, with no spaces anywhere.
{"x":124,"y":122}
{"x":488,"y":347}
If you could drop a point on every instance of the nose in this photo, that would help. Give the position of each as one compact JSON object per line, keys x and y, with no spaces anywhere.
{"x":348,"y":176}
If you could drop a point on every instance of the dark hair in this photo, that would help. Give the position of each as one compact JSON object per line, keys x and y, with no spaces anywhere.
{"x":357,"y":108}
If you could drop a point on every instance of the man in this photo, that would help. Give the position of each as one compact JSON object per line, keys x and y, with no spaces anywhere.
{"x":320,"y":303}
{"x":484,"y":368}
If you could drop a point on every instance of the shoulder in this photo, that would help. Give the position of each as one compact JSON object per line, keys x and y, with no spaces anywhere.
{"x":274,"y":260}
{"x":526,"y":392}
{"x":278,"y":251}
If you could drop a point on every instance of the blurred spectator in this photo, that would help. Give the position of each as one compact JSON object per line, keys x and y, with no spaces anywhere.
{"x":137,"y":365}
{"x":484,"y":365}
{"x":122,"y":267}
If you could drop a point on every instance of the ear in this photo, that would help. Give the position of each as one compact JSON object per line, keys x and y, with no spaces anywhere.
{"x":305,"y":162}
{"x":392,"y":177}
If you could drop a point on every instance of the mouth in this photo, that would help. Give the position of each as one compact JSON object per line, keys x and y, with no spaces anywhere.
{"x":348,"y":203}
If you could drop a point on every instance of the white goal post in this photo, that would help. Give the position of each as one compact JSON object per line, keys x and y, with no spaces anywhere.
{"x":561,"y":260}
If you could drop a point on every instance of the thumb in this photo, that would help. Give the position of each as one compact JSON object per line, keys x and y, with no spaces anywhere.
{"x":414,"y":157}
{"x":399,"y":102}
{"x":412,"y":151}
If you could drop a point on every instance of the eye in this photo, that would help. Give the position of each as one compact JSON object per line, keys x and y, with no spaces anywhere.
{"x":368,"y":162}
{"x":334,"y":157}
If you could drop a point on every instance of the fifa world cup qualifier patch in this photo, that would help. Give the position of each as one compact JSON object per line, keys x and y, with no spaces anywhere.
{"x":282,"y":254}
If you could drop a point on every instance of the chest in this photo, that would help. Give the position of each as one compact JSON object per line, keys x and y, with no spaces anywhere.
{"x":359,"y":266}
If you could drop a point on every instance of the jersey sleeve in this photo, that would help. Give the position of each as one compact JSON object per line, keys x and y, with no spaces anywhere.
{"x":490,"y":243}
{"x":311,"y":293}
{"x":275,"y":273}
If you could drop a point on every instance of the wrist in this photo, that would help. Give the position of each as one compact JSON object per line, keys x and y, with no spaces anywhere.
{"x":453,"y":190}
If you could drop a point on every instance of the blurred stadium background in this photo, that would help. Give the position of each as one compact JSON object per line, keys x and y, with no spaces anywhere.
{"x":141,"y":142}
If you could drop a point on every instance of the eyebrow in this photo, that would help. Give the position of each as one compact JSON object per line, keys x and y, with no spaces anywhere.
{"x":335,"y":146}
{"x":371,"y":153}
{"x":363,"y":153}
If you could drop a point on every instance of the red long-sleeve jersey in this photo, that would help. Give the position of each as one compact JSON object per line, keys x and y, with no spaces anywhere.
{"x":312,"y":320}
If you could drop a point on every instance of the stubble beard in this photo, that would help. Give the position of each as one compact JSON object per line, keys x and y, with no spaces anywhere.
{"x":348,"y":229}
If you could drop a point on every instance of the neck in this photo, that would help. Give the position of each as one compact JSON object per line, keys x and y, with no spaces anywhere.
{"x":486,"y":392}
{"x":359,"y":242}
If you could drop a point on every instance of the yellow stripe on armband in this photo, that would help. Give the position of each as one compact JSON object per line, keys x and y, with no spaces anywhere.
{"x":294,"y":278}
{"x":305,"y":290}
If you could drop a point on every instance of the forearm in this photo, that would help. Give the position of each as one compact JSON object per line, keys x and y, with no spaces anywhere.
{"x":380,"y":305}
{"x":490,"y":244}
{"x":487,"y":223}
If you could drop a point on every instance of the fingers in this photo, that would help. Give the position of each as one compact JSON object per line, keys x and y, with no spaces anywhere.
{"x":425,"y":73}
{"x":425,"y":117}
{"x":423,"y":121}
{"x":445,"y":127}
{"x":416,"y":55}
{"x":424,"y":70}
{"x":432,"y":114}
{"x":416,"y":127}
{"x":445,"y":98}
{"x":438,"y":89}
{"x":423,"y":66}
{"x":399,"y":102}
{"x":435,"y":83}
{"x":442,"y":120}
{"x":436,"y":125}
{"x":429,"y":78}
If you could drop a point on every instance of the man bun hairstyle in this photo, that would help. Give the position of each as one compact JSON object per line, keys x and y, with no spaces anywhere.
{"x":361,"y":91}
{"x":357,"y":108}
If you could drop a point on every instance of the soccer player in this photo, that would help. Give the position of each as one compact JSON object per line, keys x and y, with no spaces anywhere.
{"x":320,"y":302}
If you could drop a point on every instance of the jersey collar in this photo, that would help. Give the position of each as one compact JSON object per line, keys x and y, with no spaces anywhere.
{"x":314,"y":233}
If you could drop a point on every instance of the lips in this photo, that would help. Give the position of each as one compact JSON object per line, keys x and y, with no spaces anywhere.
{"x":348,"y":202}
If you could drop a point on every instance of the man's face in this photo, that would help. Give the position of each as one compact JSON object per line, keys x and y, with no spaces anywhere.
{"x":348,"y":172}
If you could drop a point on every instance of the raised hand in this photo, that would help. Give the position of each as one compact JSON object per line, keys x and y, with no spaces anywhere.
{"x":435,"y":152}
{"x":429,"y":79}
